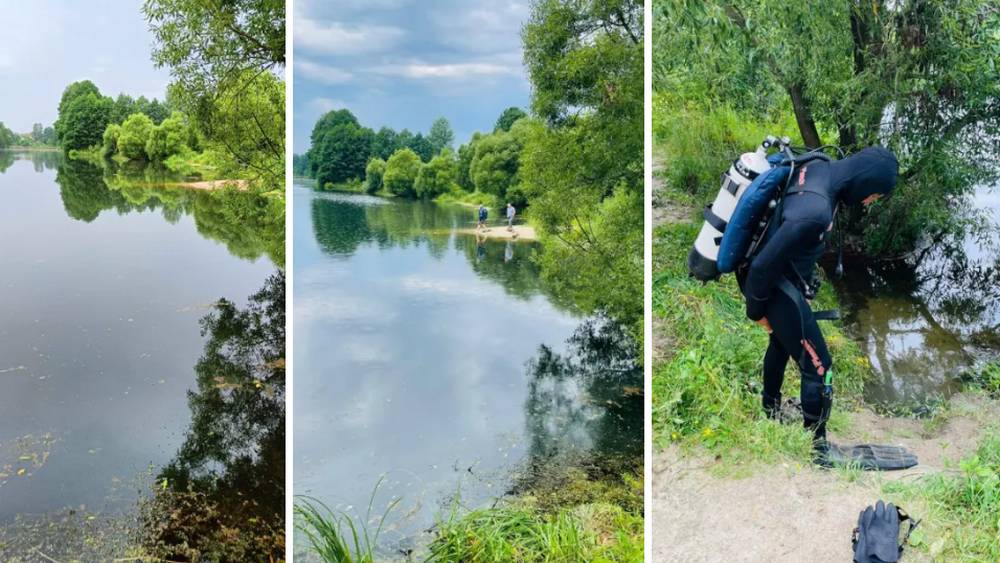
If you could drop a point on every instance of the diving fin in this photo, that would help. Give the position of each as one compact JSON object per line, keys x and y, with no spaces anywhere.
{"x":867,"y":457}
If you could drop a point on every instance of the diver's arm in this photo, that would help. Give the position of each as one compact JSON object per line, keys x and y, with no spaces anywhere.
{"x":768,"y":267}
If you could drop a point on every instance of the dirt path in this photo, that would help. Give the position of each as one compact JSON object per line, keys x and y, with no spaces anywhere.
{"x":787,"y":513}
{"x":519,"y":232}
{"x":664,"y":210}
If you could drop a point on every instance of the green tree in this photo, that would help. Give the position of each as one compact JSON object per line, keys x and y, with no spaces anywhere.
{"x":508,"y":118}
{"x":72,"y":92}
{"x":134,"y":136}
{"x":326,"y":123}
{"x":374,"y":174}
{"x":919,"y":77}
{"x":384,"y":143}
{"x":466,"y":153}
{"x":168,"y":138}
{"x":224,"y":57}
{"x":422,"y":146}
{"x":82,"y":121}
{"x":109,"y":146}
{"x":495,"y":164}
{"x":123,"y":107}
{"x":437,"y":176}
{"x":401,"y":172}
{"x":6,"y":136}
{"x":440,"y":136}
{"x":583,"y":173}
{"x":342,"y":154}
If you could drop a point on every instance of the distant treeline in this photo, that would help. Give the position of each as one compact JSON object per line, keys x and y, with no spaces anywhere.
{"x":38,"y":136}
{"x":413,"y":165}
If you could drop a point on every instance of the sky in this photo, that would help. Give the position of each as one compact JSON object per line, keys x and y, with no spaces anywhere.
{"x":404,"y":63}
{"x":47,"y":44}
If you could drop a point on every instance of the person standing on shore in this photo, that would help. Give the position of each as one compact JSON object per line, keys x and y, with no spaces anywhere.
{"x":510,"y":216}
{"x":482,"y":217}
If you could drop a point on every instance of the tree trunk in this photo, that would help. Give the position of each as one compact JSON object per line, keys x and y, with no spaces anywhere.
{"x":803,"y":117}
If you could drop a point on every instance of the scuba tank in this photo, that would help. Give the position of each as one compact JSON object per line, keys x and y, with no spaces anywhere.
{"x":703,"y":258}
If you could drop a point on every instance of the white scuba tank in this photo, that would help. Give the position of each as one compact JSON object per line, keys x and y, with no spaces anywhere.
{"x":702,"y":259}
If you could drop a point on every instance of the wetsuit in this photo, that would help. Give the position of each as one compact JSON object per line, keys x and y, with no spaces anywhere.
{"x":776,"y":281}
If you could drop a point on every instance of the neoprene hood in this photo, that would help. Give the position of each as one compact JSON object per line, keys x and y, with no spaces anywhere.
{"x":872,"y":170}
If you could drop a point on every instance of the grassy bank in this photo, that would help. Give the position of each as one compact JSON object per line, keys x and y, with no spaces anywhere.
{"x":575,"y":516}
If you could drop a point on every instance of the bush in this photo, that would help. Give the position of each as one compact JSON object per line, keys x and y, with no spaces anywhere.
{"x":109,"y":145}
{"x":374,"y":174}
{"x":437,"y":176}
{"x":401,"y":172}
{"x":168,"y":138}
{"x":134,"y":135}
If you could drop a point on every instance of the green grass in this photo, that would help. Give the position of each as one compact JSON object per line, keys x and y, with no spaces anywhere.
{"x":592,"y":532}
{"x":707,"y":390}
{"x":961,"y":510}
{"x":565,"y":514}
{"x":334,"y":536}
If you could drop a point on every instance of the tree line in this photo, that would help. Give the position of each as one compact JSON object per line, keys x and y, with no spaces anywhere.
{"x":38,"y":136}
{"x":413,"y":165}
{"x":920,"y":78}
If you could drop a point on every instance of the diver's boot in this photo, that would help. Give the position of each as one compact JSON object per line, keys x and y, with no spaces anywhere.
{"x":772,"y":406}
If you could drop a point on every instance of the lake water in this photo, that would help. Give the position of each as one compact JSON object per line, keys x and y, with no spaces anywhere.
{"x":100,"y":301}
{"x":926,"y":328}
{"x":437,"y":364}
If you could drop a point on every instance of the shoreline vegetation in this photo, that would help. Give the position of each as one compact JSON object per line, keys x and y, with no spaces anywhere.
{"x":572,"y":165}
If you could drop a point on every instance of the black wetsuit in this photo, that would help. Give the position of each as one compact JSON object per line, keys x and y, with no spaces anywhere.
{"x":775,"y":282}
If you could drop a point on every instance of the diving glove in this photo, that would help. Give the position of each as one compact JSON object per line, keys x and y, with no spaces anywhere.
{"x":867,"y":457}
{"x":876,"y":539}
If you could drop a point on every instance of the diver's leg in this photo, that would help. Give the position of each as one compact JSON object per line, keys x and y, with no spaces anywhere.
{"x":775,"y":360}
{"x":799,"y":334}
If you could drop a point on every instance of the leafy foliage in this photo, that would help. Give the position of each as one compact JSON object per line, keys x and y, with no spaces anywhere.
{"x":134,"y":136}
{"x":437,"y":176}
{"x":920,"y":78}
{"x":508,"y":118}
{"x":401,"y":172}
{"x":374,"y":173}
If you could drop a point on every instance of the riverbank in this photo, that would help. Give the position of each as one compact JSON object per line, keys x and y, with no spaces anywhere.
{"x":517,"y":232}
{"x":715,"y":449}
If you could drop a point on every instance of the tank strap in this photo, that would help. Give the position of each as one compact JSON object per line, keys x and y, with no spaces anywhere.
{"x":712,"y":219}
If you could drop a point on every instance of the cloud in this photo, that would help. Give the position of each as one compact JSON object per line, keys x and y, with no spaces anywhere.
{"x":322,"y":73}
{"x":323,"y":105}
{"x":335,"y":38}
{"x":453,"y":70}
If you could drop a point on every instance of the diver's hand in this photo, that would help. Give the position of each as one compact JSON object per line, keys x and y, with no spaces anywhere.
{"x":764,"y":323}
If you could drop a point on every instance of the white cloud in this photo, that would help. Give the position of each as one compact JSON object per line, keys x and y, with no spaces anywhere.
{"x":453,"y":70}
{"x":335,"y":38}
{"x":323,"y":105}
{"x":495,"y":26}
{"x":322,"y":73}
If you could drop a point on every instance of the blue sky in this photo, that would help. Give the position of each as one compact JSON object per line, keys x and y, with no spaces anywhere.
{"x":404,"y":63}
{"x":47,"y":44}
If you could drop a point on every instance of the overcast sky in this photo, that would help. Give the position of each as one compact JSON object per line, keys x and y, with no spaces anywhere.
{"x":404,"y":63}
{"x":47,"y":44}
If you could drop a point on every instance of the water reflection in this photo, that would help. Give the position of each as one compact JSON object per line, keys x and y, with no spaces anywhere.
{"x":438,"y":362}
{"x":926,"y":321}
{"x":222,"y":496}
{"x":250,"y":225}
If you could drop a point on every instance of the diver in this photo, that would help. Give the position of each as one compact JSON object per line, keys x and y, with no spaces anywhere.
{"x":778,"y":285}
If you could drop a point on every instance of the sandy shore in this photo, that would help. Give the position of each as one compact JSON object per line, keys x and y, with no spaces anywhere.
{"x":210,"y":185}
{"x":520,"y":232}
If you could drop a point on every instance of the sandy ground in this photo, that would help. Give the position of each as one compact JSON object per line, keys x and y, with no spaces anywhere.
{"x":520,"y":232}
{"x":210,"y":185}
{"x":788,"y":513}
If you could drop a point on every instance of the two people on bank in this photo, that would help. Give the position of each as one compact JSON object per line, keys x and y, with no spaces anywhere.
{"x":483,"y":215}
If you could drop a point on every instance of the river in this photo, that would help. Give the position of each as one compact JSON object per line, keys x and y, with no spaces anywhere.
{"x":438,"y":368}
{"x":926,"y":327}
{"x":102,"y":293}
